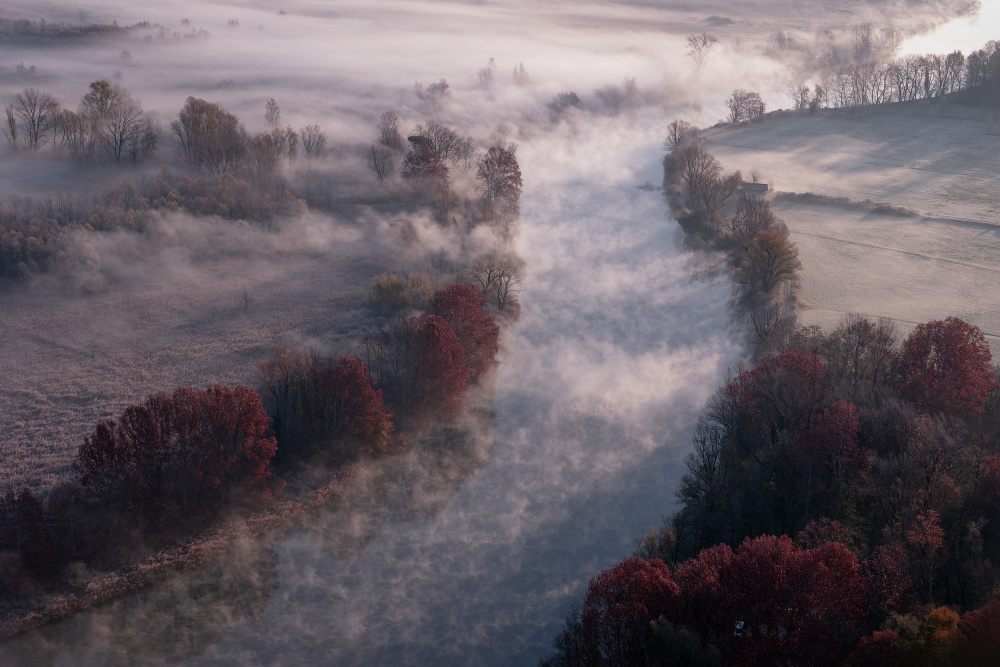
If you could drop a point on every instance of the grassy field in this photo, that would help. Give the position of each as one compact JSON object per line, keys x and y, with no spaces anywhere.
{"x":943,"y":260}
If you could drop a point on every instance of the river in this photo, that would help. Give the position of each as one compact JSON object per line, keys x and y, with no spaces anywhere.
{"x":617,"y":348}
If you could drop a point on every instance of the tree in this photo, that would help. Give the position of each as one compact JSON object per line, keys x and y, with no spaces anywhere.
{"x":31,"y":118}
{"x":769,"y":260}
{"x":388,"y":132}
{"x":380,"y":162}
{"x":23,"y":529}
{"x":419,"y":364}
{"x":619,"y":605}
{"x":745,"y":105}
{"x":344,"y":409}
{"x":181,"y":456}
{"x":272,"y":112}
{"x":425,"y":166}
{"x":982,"y":629}
{"x":945,"y":368}
{"x":925,"y":535}
{"x":498,"y":277}
{"x":463,"y":308}
{"x":699,"y":47}
{"x":313,"y":141}
{"x":212,"y":140}
{"x":448,"y":144}
{"x":859,"y":354}
{"x":486,"y":75}
{"x":678,"y":132}
{"x":125,"y":128}
{"x":499,"y":177}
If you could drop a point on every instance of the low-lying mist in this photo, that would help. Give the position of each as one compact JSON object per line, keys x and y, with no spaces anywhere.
{"x":618,"y":345}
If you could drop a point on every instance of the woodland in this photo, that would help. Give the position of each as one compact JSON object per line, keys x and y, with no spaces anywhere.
{"x":172,"y":468}
{"x":840,"y":503}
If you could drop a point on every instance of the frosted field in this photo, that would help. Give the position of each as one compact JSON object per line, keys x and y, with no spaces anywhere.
{"x":943,"y":262}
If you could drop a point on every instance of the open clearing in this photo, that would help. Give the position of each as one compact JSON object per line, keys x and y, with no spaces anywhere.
{"x":943,"y":261}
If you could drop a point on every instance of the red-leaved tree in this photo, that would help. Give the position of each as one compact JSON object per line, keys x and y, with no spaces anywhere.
{"x":945,"y":368}
{"x":982,"y":630}
{"x":463,"y":307}
{"x":343,"y":406}
{"x":420,"y":365}
{"x":619,"y":605}
{"x":424,"y":165}
{"x":499,"y":177}
{"x":770,"y":602}
{"x":181,"y":455}
{"x":781,"y":393}
{"x":23,"y":529}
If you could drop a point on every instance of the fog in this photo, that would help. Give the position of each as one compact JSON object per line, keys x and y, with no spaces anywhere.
{"x":619,"y":343}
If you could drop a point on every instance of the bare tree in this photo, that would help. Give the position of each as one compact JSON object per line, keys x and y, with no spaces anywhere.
{"x":122,"y":124}
{"x":380,"y":162}
{"x":10,"y":130}
{"x":521,"y":76}
{"x":888,"y":41}
{"x":498,"y":277}
{"x":388,"y":132}
{"x":272,"y":112}
{"x":446,"y":142}
{"x":313,"y":141}
{"x":864,"y":42}
{"x":744,"y":105}
{"x":678,"y":132}
{"x":434,"y":93}
{"x":35,"y":113}
{"x":699,"y":47}
{"x":486,"y":75}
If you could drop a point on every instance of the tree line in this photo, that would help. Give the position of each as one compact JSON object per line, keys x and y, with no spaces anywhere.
{"x":876,"y":460}
{"x":39,"y":234}
{"x":762,"y":262}
{"x":423,"y":160}
{"x":870,"y":79}
{"x":174,"y":462}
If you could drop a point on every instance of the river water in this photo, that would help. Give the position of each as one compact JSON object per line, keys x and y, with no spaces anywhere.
{"x":617,"y":347}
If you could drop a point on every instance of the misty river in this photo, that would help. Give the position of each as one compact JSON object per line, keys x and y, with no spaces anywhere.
{"x":617,"y":348}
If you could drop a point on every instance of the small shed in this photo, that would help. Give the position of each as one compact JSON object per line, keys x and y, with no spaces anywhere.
{"x":754,"y":192}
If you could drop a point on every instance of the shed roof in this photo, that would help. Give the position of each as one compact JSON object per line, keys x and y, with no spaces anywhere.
{"x":756,"y":187}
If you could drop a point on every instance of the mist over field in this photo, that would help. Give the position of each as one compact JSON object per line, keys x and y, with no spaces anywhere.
{"x":621,"y":338}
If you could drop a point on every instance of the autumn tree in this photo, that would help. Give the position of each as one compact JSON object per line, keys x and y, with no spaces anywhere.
{"x":499,"y":177}
{"x":211,"y":139}
{"x":448,"y":144}
{"x":859,"y":353}
{"x":945,"y":368}
{"x":424,"y":166}
{"x":420,"y":365}
{"x":618,"y":607}
{"x":463,"y":308}
{"x":23,"y":530}
{"x":182,"y":455}
{"x":343,"y":409}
